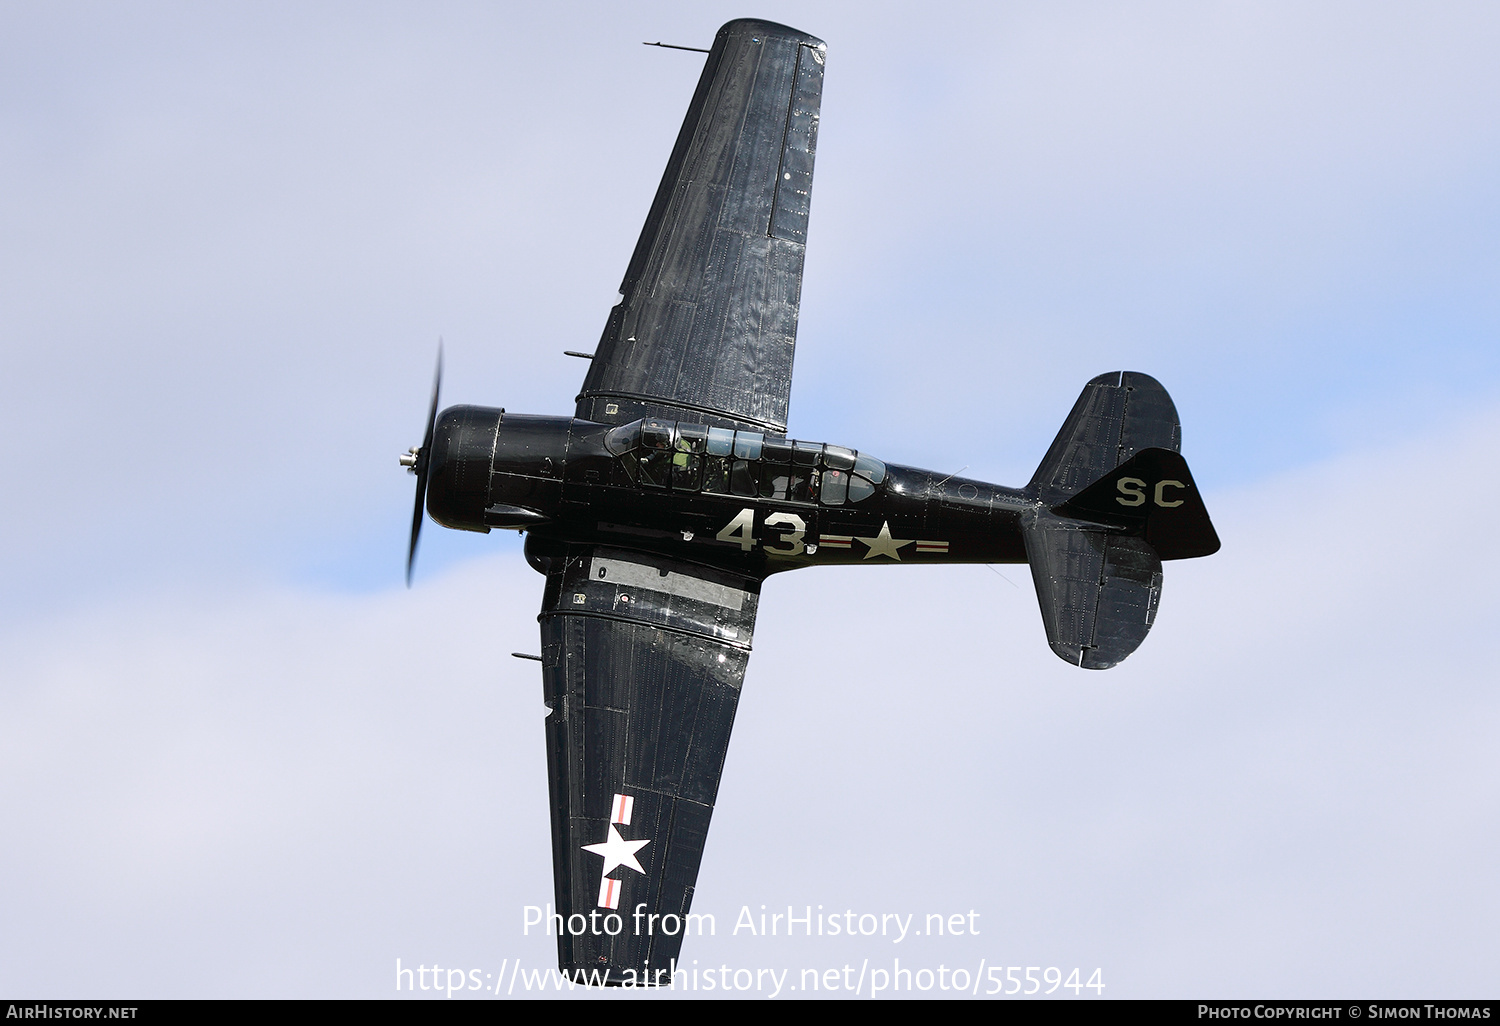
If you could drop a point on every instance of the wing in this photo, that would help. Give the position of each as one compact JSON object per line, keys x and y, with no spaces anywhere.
{"x":642,"y":660}
{"x":708,"y":323}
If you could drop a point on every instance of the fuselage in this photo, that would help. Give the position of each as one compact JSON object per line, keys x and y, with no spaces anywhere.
{"x":755,"y":503}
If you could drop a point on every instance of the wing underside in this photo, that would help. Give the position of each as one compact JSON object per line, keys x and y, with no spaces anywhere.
{"x":642,"y":660}
{"x":707,"y":325}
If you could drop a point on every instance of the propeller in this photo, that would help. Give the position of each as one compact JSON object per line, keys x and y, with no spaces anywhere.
{"x":418,"y":460}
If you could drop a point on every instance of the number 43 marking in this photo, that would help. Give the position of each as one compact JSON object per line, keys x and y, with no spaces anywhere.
{"x":741,"y":531}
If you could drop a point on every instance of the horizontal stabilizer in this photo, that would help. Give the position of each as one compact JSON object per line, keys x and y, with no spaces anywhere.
{"x":1118,"y":415}
{"x":1098,"y":589}
{"x":1153,"y":494}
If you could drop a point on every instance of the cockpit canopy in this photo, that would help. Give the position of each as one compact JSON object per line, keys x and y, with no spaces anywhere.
{"x":694,"y":457}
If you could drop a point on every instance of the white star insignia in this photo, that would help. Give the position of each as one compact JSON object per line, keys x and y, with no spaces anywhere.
{"x":617,"y":851}
{"x":883,"y":544}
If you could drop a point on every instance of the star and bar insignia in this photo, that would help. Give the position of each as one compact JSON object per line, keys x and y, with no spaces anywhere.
{"x":882,"y":544}
{"x":616,"y":851}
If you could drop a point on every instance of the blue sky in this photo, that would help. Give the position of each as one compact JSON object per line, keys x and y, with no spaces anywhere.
{"x":234,"y":234}
{"x":231,"y":227}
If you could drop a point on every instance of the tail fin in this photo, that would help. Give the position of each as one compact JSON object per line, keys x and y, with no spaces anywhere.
{"x":1152,"y":495}
{"x":1116,"y":499}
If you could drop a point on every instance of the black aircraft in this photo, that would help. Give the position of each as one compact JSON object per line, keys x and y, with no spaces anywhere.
{"x":659,"y":507}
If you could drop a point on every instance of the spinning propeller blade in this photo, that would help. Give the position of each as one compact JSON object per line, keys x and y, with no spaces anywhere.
{"x":418,"y":461}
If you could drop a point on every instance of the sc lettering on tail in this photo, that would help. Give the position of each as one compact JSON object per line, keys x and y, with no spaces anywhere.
{"x":1133,"y":492}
